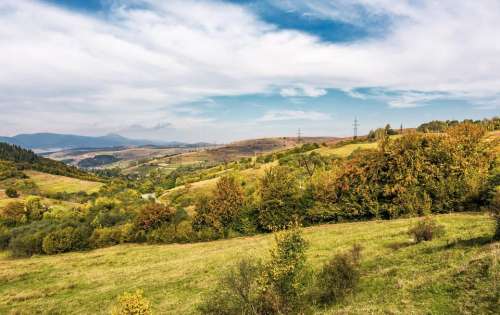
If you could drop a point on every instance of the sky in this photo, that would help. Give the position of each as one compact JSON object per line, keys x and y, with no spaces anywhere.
{"x":219,"y":71}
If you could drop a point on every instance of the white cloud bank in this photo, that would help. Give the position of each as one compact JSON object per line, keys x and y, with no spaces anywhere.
{"x":64,"y":71}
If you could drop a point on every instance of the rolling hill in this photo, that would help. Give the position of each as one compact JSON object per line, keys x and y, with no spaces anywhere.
{"x":397,"y":277}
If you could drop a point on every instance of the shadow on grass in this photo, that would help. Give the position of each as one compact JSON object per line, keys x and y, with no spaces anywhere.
{"x":399,"y":245}
{"x":461,"y":243}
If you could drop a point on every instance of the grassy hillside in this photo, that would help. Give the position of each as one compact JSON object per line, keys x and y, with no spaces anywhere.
{"x":346,"y":150}
{"x":397,"y":277}
{"x":53,"y":183}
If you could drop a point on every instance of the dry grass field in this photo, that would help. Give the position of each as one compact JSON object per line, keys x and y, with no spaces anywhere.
{"x":53,"y":183}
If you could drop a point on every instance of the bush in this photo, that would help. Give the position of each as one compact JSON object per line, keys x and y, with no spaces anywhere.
{"x":236,"y":293}
{"x":132,"y":304}
{"x":27,"y":240}
{"x":13,"y":213}
{"x":103,"y":237}
{"x":426,"y":230}
{"x":279,"y":198}
{"x":338,"y":277}
{"x":163,"y":234}
{"x":284,"y":279}
{"x":28,"y":244}
{"x":276,"y":287}
{"x":35,"y":208}
{"x":63,"y":240}
{"x":11,"y":193}
{"x":5,"y":235}
{"x":154,"y":215}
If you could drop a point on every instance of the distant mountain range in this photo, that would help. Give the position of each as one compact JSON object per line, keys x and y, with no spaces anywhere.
{"x":55,"y":142}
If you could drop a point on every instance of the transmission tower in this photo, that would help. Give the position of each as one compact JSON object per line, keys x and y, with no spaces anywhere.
{"x":299,"y":139}
{"x":355,"y":125}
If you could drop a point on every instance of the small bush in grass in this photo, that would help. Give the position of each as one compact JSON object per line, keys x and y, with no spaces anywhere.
{"x":5,"y":235}
{"x":278,"y":286}
{"x":236,"y":293}
{"x":132,"y":304}
{"x":426,"y":230}
{"x":338,"y":277}
{"x":11,"y":193}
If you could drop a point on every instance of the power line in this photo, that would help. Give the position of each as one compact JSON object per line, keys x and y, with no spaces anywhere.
{"x":356,"y":125}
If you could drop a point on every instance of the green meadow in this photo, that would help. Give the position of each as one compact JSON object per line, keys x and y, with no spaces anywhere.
{"x":455,"y":274}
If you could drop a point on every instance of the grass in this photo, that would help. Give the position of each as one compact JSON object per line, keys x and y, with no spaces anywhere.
{"x":346,"y":150}
{"x":53,"y":203}
{"x":397,"y":276}
{"x":53,"y":183}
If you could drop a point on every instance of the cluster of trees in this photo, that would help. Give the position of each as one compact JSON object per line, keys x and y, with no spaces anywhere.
{"x":441,"y":126}
{"x":381,"y":133}
{"x":26,"y":159}
{"x":414,"y":175}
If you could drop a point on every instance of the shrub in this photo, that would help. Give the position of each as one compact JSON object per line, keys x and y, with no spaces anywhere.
{"x":26,"y":245}
{"x":276,"y":287}
{"x":426,"y":230}
{"x":27,"y":240}
{"x":11,"y":193}
{"x":338,"y":277}
{"x":13,"y":213}
{"x":162,"y":234}
{"x":154,"y":215}
{"x":237,"y":291}
{"x":62,"y":240}
{"x":221,"y":212}
{"x":279,"y":198}
{"x":284,"y":279}
{"x":35,"y":208}
{"x":108,"y":236}
{"x":5,"y":235}
{"x":132,"y":304}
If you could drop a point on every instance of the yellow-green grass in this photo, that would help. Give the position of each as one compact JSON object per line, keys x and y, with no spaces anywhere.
{"x":346,"y":150}
{"x":53,"y":183}
{"x":397,"y":277}
{"x":46,"y":201}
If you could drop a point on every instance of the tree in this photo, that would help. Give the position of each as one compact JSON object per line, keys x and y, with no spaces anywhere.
{"x":154,"y":215}
{"x":280,"y":196}
{"x":222,"y":210}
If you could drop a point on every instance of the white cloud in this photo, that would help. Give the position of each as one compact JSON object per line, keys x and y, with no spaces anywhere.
{"x":67,"y":71}
{"x":282,"y":115}
{"x":302,"y":91}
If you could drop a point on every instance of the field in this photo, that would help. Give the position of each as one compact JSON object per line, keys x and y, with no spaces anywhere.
{"x":397,"y":277}
{"x":346,"y":150}
{"x":53,"y":183}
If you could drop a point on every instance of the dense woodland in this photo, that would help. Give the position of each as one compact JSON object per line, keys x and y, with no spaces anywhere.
{"x":23,"y":159}
{"x":412,"y":174}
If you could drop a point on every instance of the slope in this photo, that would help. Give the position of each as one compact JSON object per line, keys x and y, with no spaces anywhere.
{"x":397,"y":277}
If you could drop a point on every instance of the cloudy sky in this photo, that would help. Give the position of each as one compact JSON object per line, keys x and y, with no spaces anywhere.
{"x":214,"y":70}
